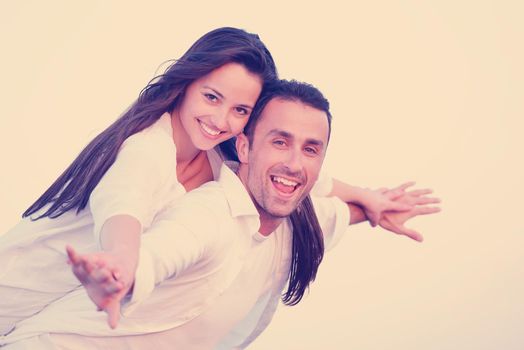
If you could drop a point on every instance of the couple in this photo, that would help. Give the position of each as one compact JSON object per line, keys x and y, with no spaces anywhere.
{"x":221,"y":255}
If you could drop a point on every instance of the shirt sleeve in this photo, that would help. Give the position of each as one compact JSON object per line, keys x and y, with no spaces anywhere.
{"x":142,"y":166}
{"x":333,"y":216}
{"x":180,"y":238}
{"x":323,"y":186}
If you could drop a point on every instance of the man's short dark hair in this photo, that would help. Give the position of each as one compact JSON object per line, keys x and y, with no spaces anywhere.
{"x":288,"y":90}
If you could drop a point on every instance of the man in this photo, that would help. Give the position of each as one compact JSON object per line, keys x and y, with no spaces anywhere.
{"x":213,"y":267}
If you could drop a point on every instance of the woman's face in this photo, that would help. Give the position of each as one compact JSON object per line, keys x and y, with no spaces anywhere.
{"x":217,"y":106}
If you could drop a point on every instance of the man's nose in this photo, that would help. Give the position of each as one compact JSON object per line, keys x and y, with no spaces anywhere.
{"x":294,"y":160}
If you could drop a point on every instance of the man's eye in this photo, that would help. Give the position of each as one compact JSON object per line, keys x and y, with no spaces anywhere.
{"x":311,"y":150}
{"x":279,"y":142}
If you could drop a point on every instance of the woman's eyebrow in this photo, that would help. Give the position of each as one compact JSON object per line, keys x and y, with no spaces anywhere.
{"x":222,"y":96}
{"x":214,"y":90}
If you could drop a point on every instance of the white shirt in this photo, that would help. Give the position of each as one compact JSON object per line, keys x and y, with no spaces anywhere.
{"x":219,"y":279}
{"x":141,"y":182}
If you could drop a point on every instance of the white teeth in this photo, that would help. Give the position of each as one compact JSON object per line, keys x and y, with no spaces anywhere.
{"x":209,"y":130}
{"x":284,"y":181}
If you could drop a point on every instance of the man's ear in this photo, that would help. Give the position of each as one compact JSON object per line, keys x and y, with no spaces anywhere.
{"x":242,"y":144}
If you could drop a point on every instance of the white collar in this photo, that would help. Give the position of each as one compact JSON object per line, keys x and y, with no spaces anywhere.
{"x":237,"y":196}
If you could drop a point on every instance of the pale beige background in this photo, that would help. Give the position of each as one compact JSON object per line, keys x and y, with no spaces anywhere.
{"x":421,"y":90}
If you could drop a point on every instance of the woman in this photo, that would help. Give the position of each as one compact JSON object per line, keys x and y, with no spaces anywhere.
{"x":151,"y":155}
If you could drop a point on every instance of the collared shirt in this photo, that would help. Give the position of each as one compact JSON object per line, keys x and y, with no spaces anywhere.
{"x":216,"y":277}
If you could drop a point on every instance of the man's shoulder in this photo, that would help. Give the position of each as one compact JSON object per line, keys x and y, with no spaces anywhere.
{"x":326,"y":207}
{"x":223,"y":199}
{"x":210,"y":197}
{"x":201,"y":207}
{"x":211,"y":190}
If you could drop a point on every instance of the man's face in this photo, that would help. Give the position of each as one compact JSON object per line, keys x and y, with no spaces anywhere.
{"x":285,"y":157}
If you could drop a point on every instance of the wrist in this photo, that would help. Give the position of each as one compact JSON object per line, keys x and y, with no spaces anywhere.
{"x":348,"y":193}
{"x":356,"y":213}
{"x":126,"y":262}
{"x":360,"y":196}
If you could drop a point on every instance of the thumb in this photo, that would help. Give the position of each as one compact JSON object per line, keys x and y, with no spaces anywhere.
{"x":113,"y":314}
{"x":71,"y":254}
{"x":412,"y":234}
{"x":373,"y":218}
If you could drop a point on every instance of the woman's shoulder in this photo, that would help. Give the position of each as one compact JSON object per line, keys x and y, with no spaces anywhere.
{"x":156,"y":140}
{"x":161,"y":129}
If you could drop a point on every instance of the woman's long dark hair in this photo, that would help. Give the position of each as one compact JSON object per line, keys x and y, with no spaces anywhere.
{"x":307,"y":251}
{"x":223,"y":45}
{"x":308,"y":240}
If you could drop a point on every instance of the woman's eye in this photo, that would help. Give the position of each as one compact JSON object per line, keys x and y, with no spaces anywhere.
{"x":211,"y":97}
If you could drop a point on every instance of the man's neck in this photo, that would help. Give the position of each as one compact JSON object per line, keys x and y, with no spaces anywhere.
{"x":268,"y":223}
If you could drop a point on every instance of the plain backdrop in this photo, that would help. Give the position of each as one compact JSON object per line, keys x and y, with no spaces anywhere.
{"x":430,"y":91}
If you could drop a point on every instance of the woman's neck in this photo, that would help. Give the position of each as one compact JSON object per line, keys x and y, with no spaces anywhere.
{"x":193,"y":167}
{"x":186,"y":152}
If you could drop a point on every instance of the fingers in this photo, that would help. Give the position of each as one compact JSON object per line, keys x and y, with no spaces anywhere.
{"x":101,"y":279}
{"x":426,"y":200}
{"x":404,"y":186}
{"x":426,"y":210}
{"x":114,"y":287}
{"x":106,"y":280}
{"x":88,"y":264}
{"x":420,"y":192}
{"x":398,"y":191}
{"x":76,"y":259}
{"x":401,"y":230}
{"x":80,"y":263}
{"x":71,"y":254}
{"x":95,"y":273}
{"x":398,"y":206}
{"x":101,"y":275}
{"x":82,"y":268}
{"x":113,"y":313}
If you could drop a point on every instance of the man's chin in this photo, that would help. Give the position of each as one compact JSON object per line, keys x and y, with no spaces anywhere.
{"x":283,"y":212}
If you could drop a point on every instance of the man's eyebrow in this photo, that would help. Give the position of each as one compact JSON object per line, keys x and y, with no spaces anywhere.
{"x":280,"y":132}
{"x":314,"y":142}
{"x":288,"y":135}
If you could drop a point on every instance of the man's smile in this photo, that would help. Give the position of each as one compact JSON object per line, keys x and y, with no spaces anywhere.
{"x":284,"y":185}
